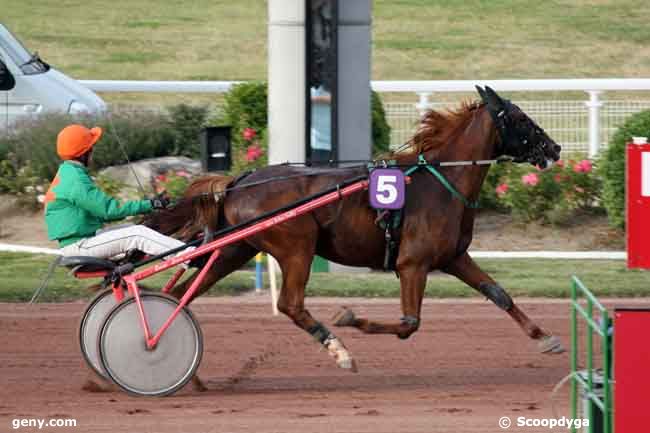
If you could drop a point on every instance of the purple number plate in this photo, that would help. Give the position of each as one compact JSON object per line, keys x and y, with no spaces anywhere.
{"x":387,"y":188}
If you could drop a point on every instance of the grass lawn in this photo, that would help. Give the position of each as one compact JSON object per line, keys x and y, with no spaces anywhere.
{"x":20,"y":274}
{"x":412,"y":39}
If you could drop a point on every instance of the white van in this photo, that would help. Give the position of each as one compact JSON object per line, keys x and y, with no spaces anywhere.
{"x":29,"y":86}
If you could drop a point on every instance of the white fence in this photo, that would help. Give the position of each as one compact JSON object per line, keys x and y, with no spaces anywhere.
{"x":579,"y":125}
{"x":566,"y":121}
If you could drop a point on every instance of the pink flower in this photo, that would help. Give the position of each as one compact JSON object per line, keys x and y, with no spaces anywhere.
{"x":183,"y":173}
{"x":558,"y":178}
{"x":248,"y":134}
{"x":161,"y":178}
{"x":579,"y":189}
{"x":253,"y":153}
{"x":583,"y":166}
{"x":560,"y":163}
{"x":502,"y":189}
{"x":530,"y":179}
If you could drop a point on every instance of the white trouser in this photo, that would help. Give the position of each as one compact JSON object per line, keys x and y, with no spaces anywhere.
{"x":114,"y":241}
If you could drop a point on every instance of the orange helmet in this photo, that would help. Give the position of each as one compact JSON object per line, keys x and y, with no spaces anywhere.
{"x":75,"y":140}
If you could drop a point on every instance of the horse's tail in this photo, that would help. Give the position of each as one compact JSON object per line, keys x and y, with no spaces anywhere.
{"x":200,"y":207}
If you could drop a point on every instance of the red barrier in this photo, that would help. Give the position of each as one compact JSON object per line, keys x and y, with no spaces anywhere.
{"x":632,"y":375}
{"x":638,"y":205}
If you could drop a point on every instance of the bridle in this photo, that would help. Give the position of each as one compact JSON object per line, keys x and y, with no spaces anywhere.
{"x":509,"y":133}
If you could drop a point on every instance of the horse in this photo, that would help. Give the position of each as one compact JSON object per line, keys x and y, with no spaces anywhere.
{"x":436,"y":230}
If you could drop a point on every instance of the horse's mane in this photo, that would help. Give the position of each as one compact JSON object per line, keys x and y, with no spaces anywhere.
{"x":436,"y":130}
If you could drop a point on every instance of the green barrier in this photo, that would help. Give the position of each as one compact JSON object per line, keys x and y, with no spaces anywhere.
{"x":579,"y":290}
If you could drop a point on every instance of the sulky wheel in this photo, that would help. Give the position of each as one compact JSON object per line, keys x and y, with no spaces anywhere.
{"x":91,"y":322}
{"x":138,"y":370}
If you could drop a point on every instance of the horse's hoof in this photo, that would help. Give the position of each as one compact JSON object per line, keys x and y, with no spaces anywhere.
{"x":348,"y":364}
{"x":94,"y":386}
{"x":197,"y":384}
{"x":345,"y":317}
{"x":551,"y":345}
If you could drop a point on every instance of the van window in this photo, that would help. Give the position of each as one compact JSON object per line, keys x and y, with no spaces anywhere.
{"x":7,"y":81}
{"x":28,"y":63}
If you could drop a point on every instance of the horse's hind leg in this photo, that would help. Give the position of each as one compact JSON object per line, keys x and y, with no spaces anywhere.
{"x":412,"y":281}
{"x":471,"y":274}
{"x":230,"y":259}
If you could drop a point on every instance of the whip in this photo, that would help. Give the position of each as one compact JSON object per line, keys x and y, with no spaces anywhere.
{"x":126,"y":155}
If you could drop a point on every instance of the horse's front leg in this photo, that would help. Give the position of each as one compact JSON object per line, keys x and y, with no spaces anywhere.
{"x":295,"y":273}
{"x":465,"y":269}
{"x":412,"y":284}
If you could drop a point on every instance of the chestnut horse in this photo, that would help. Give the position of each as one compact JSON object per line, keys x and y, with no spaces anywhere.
{"x":435,"y":234}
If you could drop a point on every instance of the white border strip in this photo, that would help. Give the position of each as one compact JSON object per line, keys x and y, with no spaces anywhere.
{"x":562,"y":84}
{"x":645,"y":174}
{"x":25,"y":249}
{"x":571,"y":255}
{"x":560,"y":255}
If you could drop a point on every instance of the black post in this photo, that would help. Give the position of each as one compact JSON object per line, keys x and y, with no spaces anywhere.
{"x":215,"y":148}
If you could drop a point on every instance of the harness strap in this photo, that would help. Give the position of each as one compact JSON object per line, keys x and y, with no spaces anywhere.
{"x":422,"y":162}
{"x":390,"y":221}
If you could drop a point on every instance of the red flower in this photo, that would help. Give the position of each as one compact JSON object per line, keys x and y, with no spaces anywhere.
{"x":253,"y":152}
{"x":583,"y":166}
{"x":530,"y":179}
{"x":248,"y":134}
{"x":560,"y":163}
{"x":558,"y":178}
{"x":161,"y":178}
{"x":502,"y":189}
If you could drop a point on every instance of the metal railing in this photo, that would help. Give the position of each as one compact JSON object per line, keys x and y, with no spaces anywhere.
{"x":602,"y":329}
{"x":581,"y":126}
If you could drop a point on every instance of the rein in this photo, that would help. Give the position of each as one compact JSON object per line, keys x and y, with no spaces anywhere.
{"x":431,"y":168}
{"x":410,"y":168}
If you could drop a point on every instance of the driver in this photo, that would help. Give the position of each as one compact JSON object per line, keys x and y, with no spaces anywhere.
{"x":76,"y":209}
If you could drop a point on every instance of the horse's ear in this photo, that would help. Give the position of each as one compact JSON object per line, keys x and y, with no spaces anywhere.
{"x":493,"y":99}
{"x":482,"y":94}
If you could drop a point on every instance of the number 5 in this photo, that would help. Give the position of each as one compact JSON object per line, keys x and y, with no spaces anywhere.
{"x":386,"y":190}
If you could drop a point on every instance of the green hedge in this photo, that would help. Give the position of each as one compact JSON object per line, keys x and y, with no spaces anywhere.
{"x":380,"y":126}
{"x":143,"y":135}
{"x":246,"y":107}
{"x":553,"y":196}
{"x":612,"y":166}
{"x":152,"y":134}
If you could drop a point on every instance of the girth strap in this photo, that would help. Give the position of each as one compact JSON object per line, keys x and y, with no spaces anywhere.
{"x":390,"y":221}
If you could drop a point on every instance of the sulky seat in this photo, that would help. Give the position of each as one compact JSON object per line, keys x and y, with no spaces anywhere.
{"x":87,"y":264}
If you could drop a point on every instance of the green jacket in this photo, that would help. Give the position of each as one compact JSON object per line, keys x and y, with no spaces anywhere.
{"x":75,"y":208}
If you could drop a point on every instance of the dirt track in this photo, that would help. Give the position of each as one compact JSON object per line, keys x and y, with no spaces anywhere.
{"x":467,"y":366}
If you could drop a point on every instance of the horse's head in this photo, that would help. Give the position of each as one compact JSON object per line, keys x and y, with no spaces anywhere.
{"x":519,"y":136}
